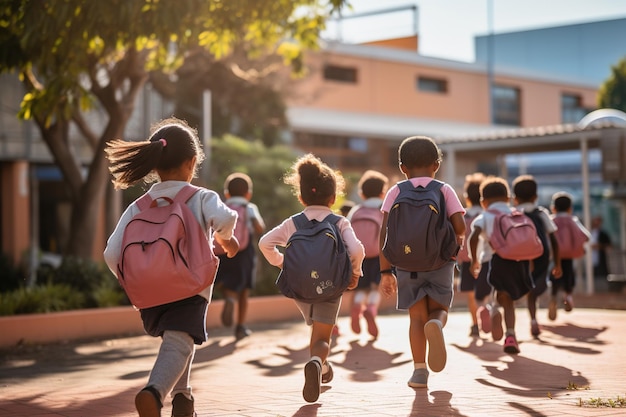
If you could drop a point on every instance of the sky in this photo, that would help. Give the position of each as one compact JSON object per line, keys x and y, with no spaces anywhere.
{"x":446,"y":28}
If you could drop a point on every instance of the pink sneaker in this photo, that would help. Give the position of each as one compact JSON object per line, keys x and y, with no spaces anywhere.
{"x":510,"y":345}
{"x":355,"y":315}
{"x":370,"y":317}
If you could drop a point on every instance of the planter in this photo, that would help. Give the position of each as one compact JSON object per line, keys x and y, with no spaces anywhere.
{"x":125,"y":321}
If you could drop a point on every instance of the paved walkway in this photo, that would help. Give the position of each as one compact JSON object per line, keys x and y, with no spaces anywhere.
{"x":577,"y":360}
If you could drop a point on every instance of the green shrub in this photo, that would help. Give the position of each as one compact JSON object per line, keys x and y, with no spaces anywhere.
{"x":41,"y":299}
{"x":83,"y":275}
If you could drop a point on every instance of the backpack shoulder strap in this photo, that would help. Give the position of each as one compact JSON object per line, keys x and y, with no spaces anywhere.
{"x":185,"y":193}
{"x":144,"y":202}
{"x":435,"y":185}
{"x":332,"y":218}
{"x":405,"y":185}
{"x":300,"y":220}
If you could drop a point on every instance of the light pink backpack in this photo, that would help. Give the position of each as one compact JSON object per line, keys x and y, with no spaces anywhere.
{"x":570,"y":238}
{"x":366,"y":222}
{"x":514,"y":236}
{"x":165,"y":256}
{"x":241,"y":232}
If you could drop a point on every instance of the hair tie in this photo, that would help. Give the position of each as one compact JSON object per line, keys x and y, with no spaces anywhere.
{"x":163,"y":141}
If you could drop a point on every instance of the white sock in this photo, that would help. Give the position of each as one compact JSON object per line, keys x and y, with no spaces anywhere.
{"x":418,"y":365}
{"x":316,"y":358}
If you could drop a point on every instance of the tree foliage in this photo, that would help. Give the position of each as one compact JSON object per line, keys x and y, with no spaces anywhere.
{"x":613,"y":91}
{"x":72,"y":55}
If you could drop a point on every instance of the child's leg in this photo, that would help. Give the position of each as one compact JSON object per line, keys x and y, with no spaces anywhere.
{"x":418,"y":316}
{"x":242,"y":308}
{"x":371,"y":310}
{"x":358,"y":300}
{"x":174,"y":357}
{"x":314,"y":369}
{"x":510,"y":341}
{"x":230,"y":297}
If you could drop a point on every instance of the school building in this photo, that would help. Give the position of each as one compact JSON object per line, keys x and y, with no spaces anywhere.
{"x":352,"y":110}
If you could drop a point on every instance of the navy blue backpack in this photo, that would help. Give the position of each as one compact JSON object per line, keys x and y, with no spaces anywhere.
{"x":317,"y":267}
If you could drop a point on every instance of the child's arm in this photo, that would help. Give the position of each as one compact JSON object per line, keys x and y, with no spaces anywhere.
{"x":388,"y":284}
{"x":458,"y":223}
{"x":257,"y":221}
{"x":231,"y":246}
{"x":557,"y":272}
{"x":473,"y":245}
{"x":355,"y":250}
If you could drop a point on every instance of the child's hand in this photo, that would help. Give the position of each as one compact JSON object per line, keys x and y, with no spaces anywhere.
{"x":557,"y":272}
{"x":475,"y":268}
{"x":388,"y":284}
{"x":354,"y":282}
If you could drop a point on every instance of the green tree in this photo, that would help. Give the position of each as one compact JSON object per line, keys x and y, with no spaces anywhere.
{"x":74,"y":55}
{"x":612,"y":92}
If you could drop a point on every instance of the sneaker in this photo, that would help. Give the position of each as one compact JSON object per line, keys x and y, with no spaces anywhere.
{"x":312,"y":376}
{"x":474,"y":331}
{"x":436,"y":346}
{"x":227,"y":312}
{"x":328,"y":375}
{"x":568,"y":303}
{"x":510,"y":345}
{"x":496,"y":325}
{"x":534,"y":328}
{"x":183,"y":406}
{"x":419,"y":379}
{"x":242,"y":331}
{"x":485,"y":319}
{"x":370,"y":317}
{"x":552,"y":309}
{"x":355,"y":315}
{"x":148,"y":402}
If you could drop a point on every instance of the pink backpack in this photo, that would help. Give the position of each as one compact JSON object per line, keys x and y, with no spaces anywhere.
{"x":366,"y":222}
{"x":241,"y":232}
{"x":514,"y":236}
{"x":463,"y":255}
{"x":570,"y":238}
{"x":166,"y":255}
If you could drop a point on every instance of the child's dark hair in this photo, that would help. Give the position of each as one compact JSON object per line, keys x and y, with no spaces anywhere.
{"x":238,"y":184}
{"x":171,"y":143}
{"x":472,"y":187}
{"x":494,"y":187}
{"x":372,"y":183}
{"x":314,"y":181}
{"x":418,"y":152}
{"x":562,"y":202}
{"x":525,"y":188}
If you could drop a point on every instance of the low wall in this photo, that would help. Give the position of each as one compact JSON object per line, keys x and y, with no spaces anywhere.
{"x":124,"y":321}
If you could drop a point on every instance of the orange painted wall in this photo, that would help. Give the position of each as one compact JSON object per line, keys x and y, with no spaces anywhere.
{"x":389,"y":88}
{"x":15,"y":209}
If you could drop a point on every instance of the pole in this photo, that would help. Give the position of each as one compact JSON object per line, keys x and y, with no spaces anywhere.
{"x":206,"y":135}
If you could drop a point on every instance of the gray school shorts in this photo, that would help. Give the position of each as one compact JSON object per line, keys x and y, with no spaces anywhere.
{"x":325,"y":312}
{"x":437,"y":285}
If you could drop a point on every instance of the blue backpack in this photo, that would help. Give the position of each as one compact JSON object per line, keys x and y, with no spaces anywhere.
{"x":316,"y":267}
{"x":419,"y":235}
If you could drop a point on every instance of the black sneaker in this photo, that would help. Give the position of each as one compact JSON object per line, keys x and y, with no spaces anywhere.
{"x":328,"y":376}
{"x":312,"y":376}
{"x":183,"y":406}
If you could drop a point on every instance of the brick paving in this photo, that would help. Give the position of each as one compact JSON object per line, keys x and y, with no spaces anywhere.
{"x":578,"y":359}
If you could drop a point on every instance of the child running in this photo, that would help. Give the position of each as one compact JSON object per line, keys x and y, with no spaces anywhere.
{"x":427,"y":295}
{"x":366,"y":219}
{"x":476,"y":290}
{"x":235,"y":276}
{"x":572,"y":237}
{"x":316,"y":186}
{"x":170,"y":156}
{"x":525,"y":196}
{"x":510,"y":279}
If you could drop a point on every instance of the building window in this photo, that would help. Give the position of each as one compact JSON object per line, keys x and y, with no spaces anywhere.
{"x":341,"y":74}
{"x":506,"y":106}
{"x":571,"y":108}
{"x":432,"y":85}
